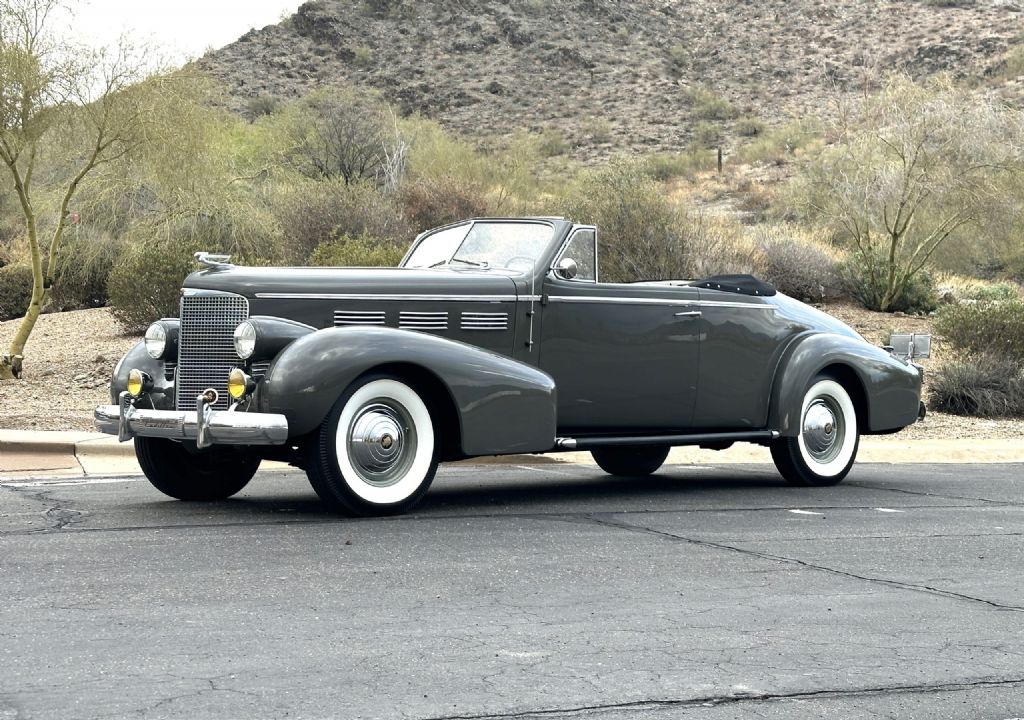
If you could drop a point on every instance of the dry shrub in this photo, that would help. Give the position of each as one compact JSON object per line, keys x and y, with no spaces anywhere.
{"x":797,"y":265}
{"x":865,"y":276}
{"x":359,"y":251}
{"x":15,"y":290}
{"x":644,"y":236}
{"x":429,"y":202}
{"x":983,"y":385}
{"x":83,"y":268}
{"x":984,"y":327}
{"x":311,"y":213}
{"x":145,"y":284}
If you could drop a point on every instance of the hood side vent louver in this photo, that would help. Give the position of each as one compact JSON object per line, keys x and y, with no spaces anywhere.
{"x":358,"y":317}
{"x":423,"y":320}
{"x":484,"y":321}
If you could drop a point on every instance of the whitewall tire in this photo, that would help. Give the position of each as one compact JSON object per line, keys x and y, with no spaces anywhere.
{"x":825,"y":448}
{"x":376,"y":453}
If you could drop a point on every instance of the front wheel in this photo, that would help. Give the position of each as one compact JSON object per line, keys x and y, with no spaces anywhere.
{"x":824,"y":451}
{"x":630,"y":460}
{"x":376,"y":453}
{"x":185,"y":473}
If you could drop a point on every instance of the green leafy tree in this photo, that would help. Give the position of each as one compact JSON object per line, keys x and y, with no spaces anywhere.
{"x":916,"y":166}
{"x":55,"y":95}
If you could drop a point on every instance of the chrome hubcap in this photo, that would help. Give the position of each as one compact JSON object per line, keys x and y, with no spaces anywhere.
{"x":381,"y":443}
{"x":823,"y":430}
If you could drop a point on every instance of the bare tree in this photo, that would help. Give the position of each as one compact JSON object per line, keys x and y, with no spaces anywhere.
{"x":914,"y":167}
{"x":49,"y":88}
{"x":343,"y":132}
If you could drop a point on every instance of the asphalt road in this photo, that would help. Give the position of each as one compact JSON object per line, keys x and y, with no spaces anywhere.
{"x":522,"y":592}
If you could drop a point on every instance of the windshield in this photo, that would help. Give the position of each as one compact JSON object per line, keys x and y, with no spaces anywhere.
{"x":484,"y":244}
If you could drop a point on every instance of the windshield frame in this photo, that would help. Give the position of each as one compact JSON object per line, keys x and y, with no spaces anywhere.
{"x":448,"y":263}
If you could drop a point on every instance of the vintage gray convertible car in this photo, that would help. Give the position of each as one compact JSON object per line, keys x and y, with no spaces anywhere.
{"x":494,"y":336}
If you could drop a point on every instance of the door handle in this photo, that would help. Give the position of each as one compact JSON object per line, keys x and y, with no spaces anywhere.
{"x":689,"y":313}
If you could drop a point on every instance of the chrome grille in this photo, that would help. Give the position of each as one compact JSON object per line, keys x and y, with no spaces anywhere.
{"x":423,"y":320}
{"x":206,"y":349}
{"x":358,"y":317}
{"x":169,"y":368}
{"x":484,"y":321}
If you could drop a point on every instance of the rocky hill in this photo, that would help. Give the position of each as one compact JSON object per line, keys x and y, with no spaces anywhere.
{"x":610,"y":75}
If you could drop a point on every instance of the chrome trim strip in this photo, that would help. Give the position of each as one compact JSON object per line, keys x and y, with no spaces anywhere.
{"x":483,"y":321}
{"x":656,"y":301}
{"x":750,"y":306}
{"x":371,"y":296}
{"x":359,"y":317}
{"x":619,"y":300}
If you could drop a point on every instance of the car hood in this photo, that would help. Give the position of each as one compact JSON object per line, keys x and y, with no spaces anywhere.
{"x":276,"y":281}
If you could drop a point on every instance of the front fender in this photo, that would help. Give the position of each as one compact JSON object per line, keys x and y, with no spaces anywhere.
{"x":891,"y":389}
{"x":162,"y":395}
{"x":503,"y":406}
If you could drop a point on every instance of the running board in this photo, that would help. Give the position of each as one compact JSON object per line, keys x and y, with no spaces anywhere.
{"x":755,"y":436}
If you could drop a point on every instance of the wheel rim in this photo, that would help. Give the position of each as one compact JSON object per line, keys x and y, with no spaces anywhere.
{"x":824,"y":430}
{"x":382,"y":443}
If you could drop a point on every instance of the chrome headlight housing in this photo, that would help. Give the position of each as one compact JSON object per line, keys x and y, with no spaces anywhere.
{"x":162,"y":339}
{"x":245,"y":339}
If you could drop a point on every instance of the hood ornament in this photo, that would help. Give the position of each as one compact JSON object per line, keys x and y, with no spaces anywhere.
{"x":210,"y":260}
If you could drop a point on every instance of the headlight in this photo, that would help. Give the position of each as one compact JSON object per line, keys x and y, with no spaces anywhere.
{"x":245,"y":340}
{"x":138,"y":382}
{"x":239,"y":384}
{"x":162,"y":339}
{"x":156,"y":340}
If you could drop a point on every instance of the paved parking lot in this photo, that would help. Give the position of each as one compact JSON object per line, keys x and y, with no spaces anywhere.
{"x":534,"y":591}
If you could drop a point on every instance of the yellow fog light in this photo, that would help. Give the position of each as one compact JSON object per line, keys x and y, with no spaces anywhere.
{"x":239,"y":384}
{"x":138,"y":382}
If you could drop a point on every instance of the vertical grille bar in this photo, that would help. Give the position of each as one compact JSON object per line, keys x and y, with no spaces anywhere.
{"x":206,"y":349}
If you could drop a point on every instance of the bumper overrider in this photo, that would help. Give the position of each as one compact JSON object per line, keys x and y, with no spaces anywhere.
{"x":205,"y":426}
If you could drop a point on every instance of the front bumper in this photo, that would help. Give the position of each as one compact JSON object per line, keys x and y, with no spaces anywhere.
{"x":205,"y":426}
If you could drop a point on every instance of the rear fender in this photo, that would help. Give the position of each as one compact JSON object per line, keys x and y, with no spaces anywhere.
{"x":503,"y":406}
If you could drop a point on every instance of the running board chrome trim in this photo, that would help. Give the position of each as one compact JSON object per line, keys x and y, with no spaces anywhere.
{"x":586,"y":443}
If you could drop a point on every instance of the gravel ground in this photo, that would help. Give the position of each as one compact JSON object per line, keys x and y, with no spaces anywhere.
{"x":70,"y":357}
{"x":68,"y":362}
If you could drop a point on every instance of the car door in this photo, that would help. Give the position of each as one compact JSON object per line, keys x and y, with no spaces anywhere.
{"x":624,"y":356}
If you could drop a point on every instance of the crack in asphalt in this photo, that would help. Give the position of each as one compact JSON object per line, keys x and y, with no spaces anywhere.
{"x":57,"y":513}
{"x":921,"y":493}
{"x":914,"y":587}
{"x":64,"y":522}
{"x":739,"y":698}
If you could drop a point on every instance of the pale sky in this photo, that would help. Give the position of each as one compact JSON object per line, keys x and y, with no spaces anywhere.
{"x":179,"y":29}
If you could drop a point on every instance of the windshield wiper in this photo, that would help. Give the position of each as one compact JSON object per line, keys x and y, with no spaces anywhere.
{"x":474,"y":263}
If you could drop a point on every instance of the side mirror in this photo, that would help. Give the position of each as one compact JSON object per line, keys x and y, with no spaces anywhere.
{"x":566,"y":269}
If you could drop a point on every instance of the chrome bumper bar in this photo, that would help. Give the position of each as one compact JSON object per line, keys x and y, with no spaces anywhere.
{"x":205,"y":426}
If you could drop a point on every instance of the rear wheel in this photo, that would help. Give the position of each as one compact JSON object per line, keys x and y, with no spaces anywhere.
{"x":376,"y":452}
{"x":185,"y":473}
{"x":630,"y":460}
{"x":825,"y":449}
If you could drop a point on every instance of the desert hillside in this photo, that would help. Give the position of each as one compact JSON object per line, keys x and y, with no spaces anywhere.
{"x":619,"y":76}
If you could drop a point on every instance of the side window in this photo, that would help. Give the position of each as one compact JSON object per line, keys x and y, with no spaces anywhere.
{"x":581,"y":248}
